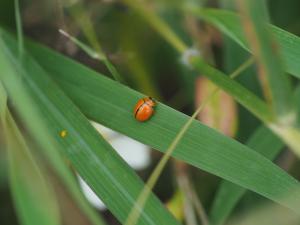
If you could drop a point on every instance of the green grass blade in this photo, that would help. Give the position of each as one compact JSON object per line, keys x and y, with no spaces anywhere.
{"x":94,"y":159}
{"x":87,"y":49}
{"x":266,"y":213}
{"x":64,"y":172}
{"x":95,"y":55}
{"x":275,"y":83}
{"x":297,"y":97}
{"x":30,"y":189}
{"x":19,"y":27}
{"x":59,"y":165}
{"x":159,"y":25}
{"x":111,"y":103}
{"x":262,"y":141}
{"x":229,"y":23}
{"x":3,"y":103}
{"x":246,"y":98}
{"x":84,"y":21}
{"x":283,"y":126}
{"x":3,"y":155}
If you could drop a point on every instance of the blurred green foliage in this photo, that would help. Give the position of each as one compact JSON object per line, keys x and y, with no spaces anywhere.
{"x":148,"y":64}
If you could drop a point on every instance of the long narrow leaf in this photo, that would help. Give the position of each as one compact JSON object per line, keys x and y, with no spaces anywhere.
{"x":94,"y":159}
{"x":30,"y":190}
{"x":262,"y":141}
{"x":246,"y":98}
{"x":111,"y":103}
{"x":3,"y":103}
{"x":229,"y":23}
{"x":3,"y":111}
{"x":284,"y":125}
{"x":59,"y":165}
{"x":297,"y":97}
{"x":275,"y":83}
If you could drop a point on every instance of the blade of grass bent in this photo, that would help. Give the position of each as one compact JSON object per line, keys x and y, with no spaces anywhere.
{"x":19,"y":27}
{"x":51,"y":150}
{"x":159,"y":25}
{"x":284,"y":127}
{"x":110,"y":104}
{"x":275,"y":83}
{"x":228,"y":195}
{"x":100,"y":56}
{"x":84,"y":21}
{"x":28,"y":185}
{"x":297,"y":97}
{"x":94,"y":159}
{"x":229,"y":23}
{"x":265,"y":49}
{"x":3,"y":155}
{"x":246,"y":98}
{"x":3,"y":103}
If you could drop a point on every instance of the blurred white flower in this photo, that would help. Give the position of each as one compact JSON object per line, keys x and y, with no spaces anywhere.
{"x":186,"y":56}
{"x":90,"y":195}
{"x":136,"y":154}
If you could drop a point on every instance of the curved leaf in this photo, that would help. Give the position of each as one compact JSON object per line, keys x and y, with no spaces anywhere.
{"x":229,"y":23}
{"x":110,"y":103}
{"x":228,"y":195}
{"x":30,"y":188}
{"x":93,"y":158}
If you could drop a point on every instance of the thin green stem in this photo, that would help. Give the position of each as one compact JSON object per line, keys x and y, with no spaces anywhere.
{"x":88,"y":50}
{"x":19,"y":28}
{"x":189,"y":212}
{"x":84,"y":22}
{"x":98,"y":55}
{"x":275,"y":83}
{"x":241,"y":94}
{"x":113,"y":70}
{"x":142,"y":198}
{"x":197,"y":203}
{"x":241,"y":68}
{"x":3,"y":111}
{"x":159,"y":25}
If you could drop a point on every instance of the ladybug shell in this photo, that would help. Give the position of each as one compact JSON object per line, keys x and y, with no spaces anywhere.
{"x":144,"y":109}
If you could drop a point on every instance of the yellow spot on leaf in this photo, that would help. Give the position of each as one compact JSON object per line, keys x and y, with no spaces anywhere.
{"x":63,"y":133}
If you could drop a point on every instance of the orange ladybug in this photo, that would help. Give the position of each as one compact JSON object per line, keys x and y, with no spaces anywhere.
{"x":144,"y":109}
